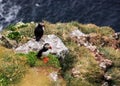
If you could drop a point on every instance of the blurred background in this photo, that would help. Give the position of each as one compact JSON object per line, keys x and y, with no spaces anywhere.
{"x":99,"y":12}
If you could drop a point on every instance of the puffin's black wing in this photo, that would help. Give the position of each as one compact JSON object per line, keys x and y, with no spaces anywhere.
{"x":38,"y":32}
{"x":44,"y":49}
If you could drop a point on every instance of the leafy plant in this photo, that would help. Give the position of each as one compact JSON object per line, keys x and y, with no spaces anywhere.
{"x":68,"y":62}
{"x":11,"y":27}
{"x":14,"y":36}
{"x":31,"y":58}
{"x":53,"y":61}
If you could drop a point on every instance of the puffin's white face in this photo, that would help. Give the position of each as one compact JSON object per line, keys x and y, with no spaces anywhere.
{"x":47,"y":46}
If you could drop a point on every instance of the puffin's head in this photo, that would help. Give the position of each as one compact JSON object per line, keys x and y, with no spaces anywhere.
{"x":47,"y":46}
{"x":42,"y":24}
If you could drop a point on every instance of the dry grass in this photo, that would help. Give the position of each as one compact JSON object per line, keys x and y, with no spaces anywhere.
{"x":88,"y":67}
{"x":12,"y":67}
{"x":113,"y":55}
{"x":90,"y":73}
{"x":39,"y":76}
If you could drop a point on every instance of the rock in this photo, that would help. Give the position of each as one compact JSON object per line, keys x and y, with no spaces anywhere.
{"x":108,"y":62}
{"x":7,"y":43}
{"x":54,"y":76}
{"x":75,"y":73}
{"x":89,"y":42}
{"x":105,"y":84}
{"x":58,"y":48}
{"x":117,"y":35}
{"x":76,"y":33}
{"x":0,"y":36}
{"x":78,"y":37}
{"x":103,"y":65}
{"x":107,"y":77}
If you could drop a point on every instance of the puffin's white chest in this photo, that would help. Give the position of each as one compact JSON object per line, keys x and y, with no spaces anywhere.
{"x":45,"y":53}
{"x":43,"y":28}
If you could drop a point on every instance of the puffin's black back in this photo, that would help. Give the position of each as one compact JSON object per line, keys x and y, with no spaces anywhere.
{"x":38,"y":32}
{"x":40,"y":52}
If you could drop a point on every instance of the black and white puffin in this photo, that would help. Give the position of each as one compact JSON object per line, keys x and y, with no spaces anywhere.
{"x":45,"y":48}
{"x":39,"y":31}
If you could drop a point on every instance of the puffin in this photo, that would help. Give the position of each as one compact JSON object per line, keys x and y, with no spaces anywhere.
{"x":45,"y":48}
{"x":39,"y":31}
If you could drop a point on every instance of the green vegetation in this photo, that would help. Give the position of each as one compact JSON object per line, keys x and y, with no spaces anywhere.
{"x":11,"y":27}
{"x":14,"y":27}
{"x":84,"y":62}
{"x":113,"y":55}
{"x":14,"y":66}
{"x":30,"y":57}
{"x":33,"y":61}
{"x":53,"y":61}
{"x":14,"y":36}
{"x":92,"y":28}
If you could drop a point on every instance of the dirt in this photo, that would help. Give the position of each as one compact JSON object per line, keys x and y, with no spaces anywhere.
{"x":39,"y":76}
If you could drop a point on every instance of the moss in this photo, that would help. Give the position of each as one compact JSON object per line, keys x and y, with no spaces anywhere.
{"x":12,"y":67}
{"x":113,"y":55}
{"x":14,"y":36}
{"x":78,"y":57}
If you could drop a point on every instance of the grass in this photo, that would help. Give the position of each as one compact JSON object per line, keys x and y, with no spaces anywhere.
{"x":20,"y":32}
{"x":12,"y":67}
{"x":79,"y":57}
{"x":32,"y":60}
{"x":113,"y":55}
{"x":14,"y":36}
{"x":92,"y":28}
{"x":62,"y":30}
{"x":88,"y":68}
{"x":53,"y":61}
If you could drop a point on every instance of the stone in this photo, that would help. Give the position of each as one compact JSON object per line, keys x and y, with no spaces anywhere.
{"x":105,"y":84}
{"x":7,"y":43}
{"x":75,"y":72}
{"x":107,"y":77}
{"x":58,"y":47}
{"x":0,"y":36}
{"x":117,"y":35}
{"x":54,"y":76}
{"x":76,"y":33}
{"x":108,"y":62}
{"x":103,"y":65}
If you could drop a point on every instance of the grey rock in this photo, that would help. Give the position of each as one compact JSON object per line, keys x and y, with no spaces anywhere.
{"x":58,"y":47}
{"x":6,"y":42}
{"x":54,"y":76}
{"x":105,"y":84}
{"x":0,"y":36}
{"x":75,"y":72}
{"x":77,"y":33}
{"x":107,"y":77}
{"x":103,"y":65}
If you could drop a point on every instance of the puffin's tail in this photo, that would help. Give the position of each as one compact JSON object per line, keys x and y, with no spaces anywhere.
{"x":39,"y":54}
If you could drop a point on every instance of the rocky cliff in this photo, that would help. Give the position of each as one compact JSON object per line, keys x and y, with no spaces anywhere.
{"x":81,"y":54}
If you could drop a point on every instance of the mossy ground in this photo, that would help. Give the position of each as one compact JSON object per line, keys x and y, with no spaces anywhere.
{"x":79,"y":57}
